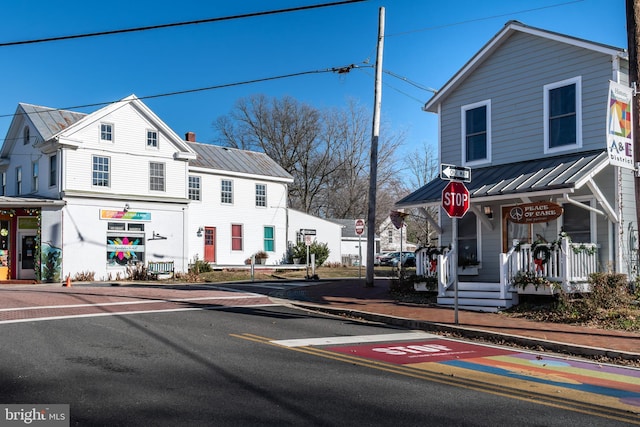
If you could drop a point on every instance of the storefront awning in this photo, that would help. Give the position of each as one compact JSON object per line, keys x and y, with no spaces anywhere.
{"x":28,"y":202}
{"x":550,"y":175}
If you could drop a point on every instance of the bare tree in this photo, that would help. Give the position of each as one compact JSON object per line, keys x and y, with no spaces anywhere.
{"x":423,"y":167}
{"x":287,"y":131}
{"x":325,"y":151}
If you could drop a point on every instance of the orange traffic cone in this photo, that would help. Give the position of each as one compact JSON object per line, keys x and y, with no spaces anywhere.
{"x":67,"y":284}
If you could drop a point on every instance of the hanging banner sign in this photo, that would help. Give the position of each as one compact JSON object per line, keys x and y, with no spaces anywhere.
{"x":530,"y":213}
{"x":619,"y":126}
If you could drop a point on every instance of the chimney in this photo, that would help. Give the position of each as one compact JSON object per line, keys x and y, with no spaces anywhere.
{"x":190,"y":136}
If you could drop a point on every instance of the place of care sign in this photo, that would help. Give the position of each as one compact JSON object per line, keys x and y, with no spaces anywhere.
{"x":530,"y":213}
{"x":420,"y":351}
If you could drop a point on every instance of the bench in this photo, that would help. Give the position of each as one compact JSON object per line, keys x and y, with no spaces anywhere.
{"x":157,"y":268}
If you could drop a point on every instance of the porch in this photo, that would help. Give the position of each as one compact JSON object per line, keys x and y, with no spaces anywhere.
{"x":526,"y":269}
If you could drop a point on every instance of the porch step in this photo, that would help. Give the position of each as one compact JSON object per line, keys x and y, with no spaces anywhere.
{"x":477,"y":296}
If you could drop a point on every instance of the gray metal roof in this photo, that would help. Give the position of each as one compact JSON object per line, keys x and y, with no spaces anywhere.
{"x":235,"y":160}
{"x":50,"y":121}
{"x":550,"y":173}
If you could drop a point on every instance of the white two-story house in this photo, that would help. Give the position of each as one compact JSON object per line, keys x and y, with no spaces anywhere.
{"x":528,"y":115}
{"x":100,"y":192}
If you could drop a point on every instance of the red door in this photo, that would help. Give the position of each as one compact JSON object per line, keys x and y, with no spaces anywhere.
{"x":210,"y":244}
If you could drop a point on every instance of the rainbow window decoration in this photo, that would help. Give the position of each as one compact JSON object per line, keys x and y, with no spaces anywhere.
{"x":125,"y":250}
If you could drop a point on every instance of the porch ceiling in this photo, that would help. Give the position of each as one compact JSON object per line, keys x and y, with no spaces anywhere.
{"x":553,"y":175}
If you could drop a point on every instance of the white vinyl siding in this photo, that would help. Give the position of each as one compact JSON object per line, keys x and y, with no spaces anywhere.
{"x":129,"y":158}
{"x":514,"y":77}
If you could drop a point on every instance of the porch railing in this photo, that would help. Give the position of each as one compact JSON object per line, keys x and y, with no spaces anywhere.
{"x":568,"y":263}
{"x":439,"y":266}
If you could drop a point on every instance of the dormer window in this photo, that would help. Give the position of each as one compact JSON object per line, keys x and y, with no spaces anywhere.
{"x":25,"y":135}
{"x":476,"y":133}
{"x":563,"y":115}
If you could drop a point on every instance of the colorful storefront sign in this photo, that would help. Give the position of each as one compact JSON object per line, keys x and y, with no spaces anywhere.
{"x":125,"y":215}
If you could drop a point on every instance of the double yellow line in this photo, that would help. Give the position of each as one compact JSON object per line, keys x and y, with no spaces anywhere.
{"x":585,"y":407}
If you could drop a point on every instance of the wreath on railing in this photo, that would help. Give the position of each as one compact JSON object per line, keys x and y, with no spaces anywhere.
{"x":541,"y":250}
{"x":541,"y":254}
{"x":432,"y":253}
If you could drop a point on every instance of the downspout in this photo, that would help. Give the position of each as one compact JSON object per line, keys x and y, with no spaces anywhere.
{"x":61,"y":186}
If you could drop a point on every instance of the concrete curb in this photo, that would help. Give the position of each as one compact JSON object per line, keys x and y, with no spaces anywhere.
{"x":554,"y":346}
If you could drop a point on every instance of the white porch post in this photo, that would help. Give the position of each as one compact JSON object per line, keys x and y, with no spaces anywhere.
{"x":566,"y":263}
{"x":504,"y":279}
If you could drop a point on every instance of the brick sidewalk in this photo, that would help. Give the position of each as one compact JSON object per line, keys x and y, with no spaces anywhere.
{"x":353,"y":295}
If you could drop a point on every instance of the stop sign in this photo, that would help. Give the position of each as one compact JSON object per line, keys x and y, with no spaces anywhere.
{"x":455,"y":199}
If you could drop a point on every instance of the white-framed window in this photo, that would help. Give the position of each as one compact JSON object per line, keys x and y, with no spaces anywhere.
{"x":476,"y":133}
{"x":563,"y":115}
{"x":156,"y":176}
{"x":100,"y":171}
{"x":25,"y":135}
{"x":389,"y":236}
{"x":194,"y":187}
{"x":3,"y":184}
{"x":152,"y":138}
{"x":34,"y":177}
{"x":106,"y":132}
{"x":19,"y":180}
{"x":261,"y":195}
{"x":53,"y":170}
{"x":226,"y":191}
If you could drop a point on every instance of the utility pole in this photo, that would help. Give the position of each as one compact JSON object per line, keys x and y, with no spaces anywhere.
{"x":633,"y":37}
{"x":373,"y":164}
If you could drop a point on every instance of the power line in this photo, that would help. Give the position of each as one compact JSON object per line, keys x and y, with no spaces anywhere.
{"x":486,"y":18}
{"x":386,"y":84}
{"x":412,"y":83}
{"x":179,"y":24}
{"x":338,"y":70}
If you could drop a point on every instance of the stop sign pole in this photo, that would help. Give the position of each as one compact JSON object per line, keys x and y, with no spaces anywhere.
{"x":455,"y":202}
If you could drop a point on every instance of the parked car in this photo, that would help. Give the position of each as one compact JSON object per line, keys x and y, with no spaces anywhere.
{"x":408,"y":260}
{"x":392,"y":258}
{"x":379,"y":256}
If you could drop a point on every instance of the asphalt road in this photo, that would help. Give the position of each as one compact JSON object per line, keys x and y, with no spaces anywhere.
{"x":245,"y":365}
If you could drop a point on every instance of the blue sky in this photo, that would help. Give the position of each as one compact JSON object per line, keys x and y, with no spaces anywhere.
{"x":426,"y":42}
